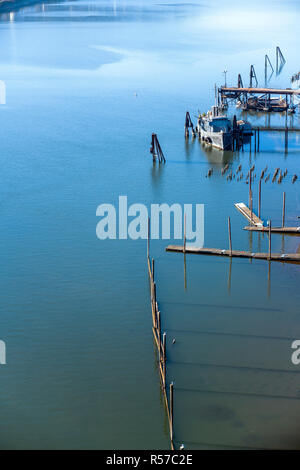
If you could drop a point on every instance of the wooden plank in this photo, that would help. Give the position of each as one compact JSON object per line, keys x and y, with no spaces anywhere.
{"x":253,"y":228}
{"x":292,"y":257}
{"x":253,"y":219}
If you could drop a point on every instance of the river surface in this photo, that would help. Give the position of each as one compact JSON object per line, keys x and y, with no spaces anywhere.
{"x":87,"y":82}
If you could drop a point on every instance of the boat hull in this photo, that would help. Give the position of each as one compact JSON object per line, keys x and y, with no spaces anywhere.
{"x":220,"y":140}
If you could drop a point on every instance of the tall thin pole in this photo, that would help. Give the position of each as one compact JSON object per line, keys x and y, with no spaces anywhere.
{"x":259,"y":198}
{"x":229,"y":233}
{"x":270,"y":228}
{"x":250,"y":184}
{"x":164,"y":360}
{"x":184,"y":234}
{"x":171,"y":410}
{"x":250,"y":194}
{"x":148,"y":238}
{"x":283,"y":209}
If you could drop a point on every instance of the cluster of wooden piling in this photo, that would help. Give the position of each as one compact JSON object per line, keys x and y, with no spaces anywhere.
{"x":295,"y":77}
{"x":238,"y":175}
{"x":155,"y":150}
{"x":188,"y":125}
{"x":160,"y":342}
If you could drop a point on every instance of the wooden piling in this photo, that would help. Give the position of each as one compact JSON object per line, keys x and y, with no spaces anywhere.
{"x":270,"y":231}
{"x":148,"y":239}
{"x":283,"y":209}
{"x":171,"y":410}
{"x":160,"y":344}
{"x":258,"y":139}
{"x":259,"y":198}
{"x":184,"y":234}
{"x":250,"y":184}
{"x":229,"y":233}
{"x":164,"y":359}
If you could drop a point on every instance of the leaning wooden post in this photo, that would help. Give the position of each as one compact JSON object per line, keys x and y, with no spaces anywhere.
{"x":229,"y":233}
{"x":158,"y":330}
{"x":171,"y":410}
{"x":270,"y":229}
{"x":153,"y":269}
{"x":184,"y":234}
{"x":164,"y":359}
{"x":283,"y":209}
{"x":259,"y":198}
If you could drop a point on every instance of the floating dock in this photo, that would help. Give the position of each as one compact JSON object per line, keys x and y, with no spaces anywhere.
{"x":289,"y":257}
{"x":253,"y":219}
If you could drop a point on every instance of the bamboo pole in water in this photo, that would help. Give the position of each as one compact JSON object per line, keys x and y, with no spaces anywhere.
{"x":171,"y":410}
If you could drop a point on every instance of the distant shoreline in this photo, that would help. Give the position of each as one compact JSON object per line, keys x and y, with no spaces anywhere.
{"x":11,"y":5}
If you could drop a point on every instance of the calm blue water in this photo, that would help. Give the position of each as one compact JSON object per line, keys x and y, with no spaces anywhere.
{"x":87,"y":83}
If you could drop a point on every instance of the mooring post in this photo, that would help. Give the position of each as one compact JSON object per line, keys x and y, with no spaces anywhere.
{"x":258,"y":139}
{"x":283,"y":209}
{"x":171,"y":410}
{"x":270,"y":229}
{"x":159,"y":330}
{"x":286,"y":139}
{"x":229,"y":233}
{"x":255,"y":140}
{"x":250,"y":143}
{"x":259,"y":198}
{"x":153,"y":269}
{"x":164,"y":359}
{"x":148,"y":238}
{"x":184,"y":233}
{"x":250,"y":188}
{"x":152,"y":147}
{"x":154,"y":293}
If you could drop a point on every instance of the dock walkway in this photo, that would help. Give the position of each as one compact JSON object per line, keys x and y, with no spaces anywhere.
{"x":253,"y":219}
{"x":290,"y":257}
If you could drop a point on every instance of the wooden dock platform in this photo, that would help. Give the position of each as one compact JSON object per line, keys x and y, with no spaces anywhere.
{"x":286,"y":257}
{"x":253,"y":219}
{"x":260,"y":91}
{"x":253,"y":228}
